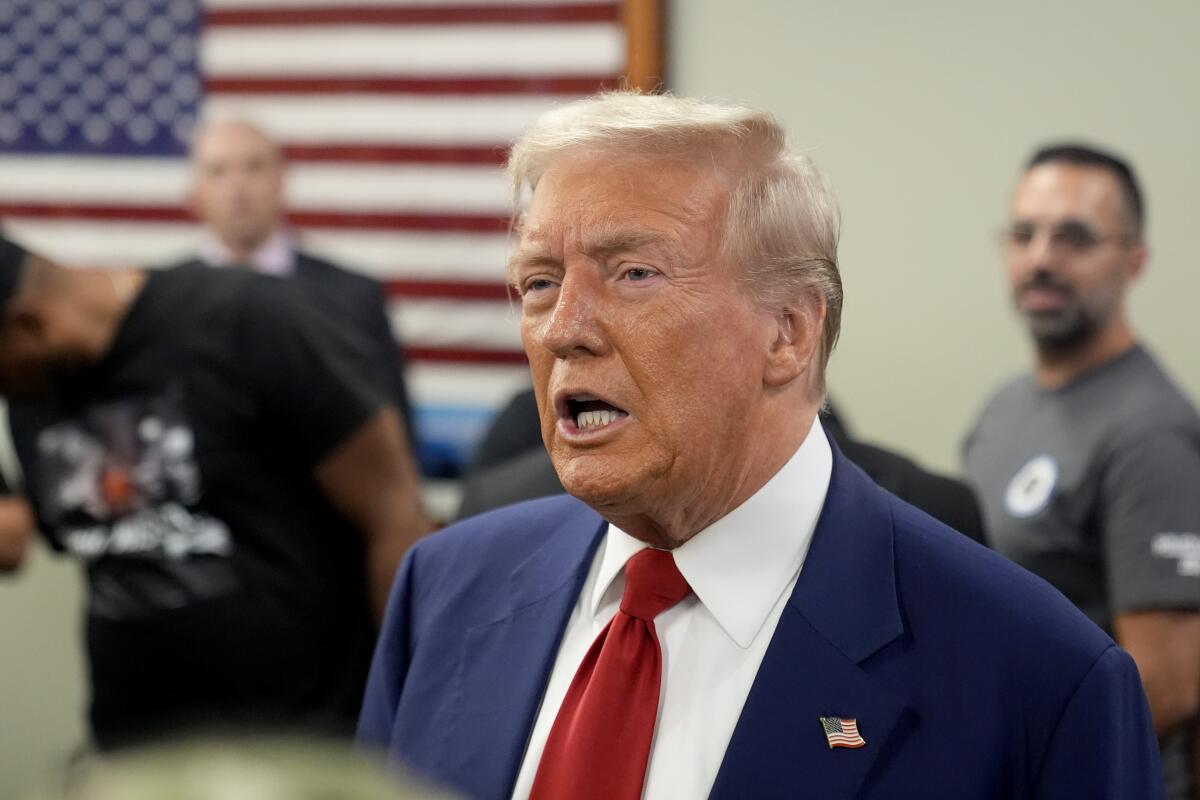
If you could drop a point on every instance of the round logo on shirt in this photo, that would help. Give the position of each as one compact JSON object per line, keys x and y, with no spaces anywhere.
{"x":1030,"y":489}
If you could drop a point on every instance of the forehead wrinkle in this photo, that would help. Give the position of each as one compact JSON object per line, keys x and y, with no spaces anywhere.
{"x":603,"y":244}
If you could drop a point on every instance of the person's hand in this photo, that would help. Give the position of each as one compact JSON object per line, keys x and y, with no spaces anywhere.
{"x":16,"y":529}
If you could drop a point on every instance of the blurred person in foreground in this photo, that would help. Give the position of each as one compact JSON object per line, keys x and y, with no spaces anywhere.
{"x":237,"y":192}
{"x":254,"y":768}
{"x":726,"y":606}
{"x":1088,"y":467}
{"x":238,"y":491}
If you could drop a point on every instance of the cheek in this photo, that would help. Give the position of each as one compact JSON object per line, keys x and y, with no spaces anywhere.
{"x":697,"y":377}
{"x":541,"y":365}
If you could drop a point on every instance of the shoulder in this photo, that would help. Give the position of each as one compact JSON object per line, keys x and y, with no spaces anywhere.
{"x":967,"y":597}
{"x":1146,"y":401}
{"x":475,"y":558}
{"x":310,"y":267}
{"x":1007,"y":400}
{"x":193,"y":287}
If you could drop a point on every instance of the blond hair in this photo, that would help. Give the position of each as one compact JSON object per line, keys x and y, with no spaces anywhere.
{"x":781,"y":222}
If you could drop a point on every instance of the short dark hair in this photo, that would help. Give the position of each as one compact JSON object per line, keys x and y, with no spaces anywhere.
{"x":12,"y":268}
{"x":1082,"y":155}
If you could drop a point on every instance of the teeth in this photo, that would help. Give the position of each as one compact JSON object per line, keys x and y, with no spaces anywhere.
{"x":587,"y":420}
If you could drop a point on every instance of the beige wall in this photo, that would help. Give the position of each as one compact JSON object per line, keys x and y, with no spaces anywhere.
{"x":922,"y":112}
{"x":42,"y":702}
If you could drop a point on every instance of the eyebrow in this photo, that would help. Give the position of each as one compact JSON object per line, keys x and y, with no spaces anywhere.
{"x":598,"y":247}
{"x":606,"y":245}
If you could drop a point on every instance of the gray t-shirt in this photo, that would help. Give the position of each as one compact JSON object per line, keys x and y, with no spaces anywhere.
{"x":1096,"y":488}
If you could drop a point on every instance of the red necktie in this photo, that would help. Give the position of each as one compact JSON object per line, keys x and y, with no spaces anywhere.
{"x":600,"y":741}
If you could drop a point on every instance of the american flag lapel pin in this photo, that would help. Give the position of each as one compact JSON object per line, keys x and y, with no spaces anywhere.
{"x":841,"y":732}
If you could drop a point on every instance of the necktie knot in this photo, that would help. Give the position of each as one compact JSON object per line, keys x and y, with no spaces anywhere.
{"x":652,"y":584}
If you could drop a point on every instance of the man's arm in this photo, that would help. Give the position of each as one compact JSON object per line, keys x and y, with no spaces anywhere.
{"x":1151,"y":511}
{"x":1165,"y":645}
{"x":313,"y":382}
{"x":389,"y":350}
{"x":1103,"y":745}
{"x":16,"y":530}
{"x":371,"y":478}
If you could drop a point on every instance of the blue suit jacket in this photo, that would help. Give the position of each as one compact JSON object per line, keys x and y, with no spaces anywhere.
{"x":969,"y":677}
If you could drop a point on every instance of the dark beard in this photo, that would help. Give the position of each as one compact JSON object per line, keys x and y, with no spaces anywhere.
{"x":1058,"y":332}
{"x":1073,"y":331}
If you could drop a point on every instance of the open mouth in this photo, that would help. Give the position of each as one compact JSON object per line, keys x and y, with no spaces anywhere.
{"x":587,"y":412}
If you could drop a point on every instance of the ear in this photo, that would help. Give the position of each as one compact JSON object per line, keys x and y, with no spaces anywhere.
{"x":797,"y":337}
{"x":1139,"y":254}
{"x":23,"y":324}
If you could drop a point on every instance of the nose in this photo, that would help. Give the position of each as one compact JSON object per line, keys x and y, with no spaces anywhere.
{"x":574,"y":326}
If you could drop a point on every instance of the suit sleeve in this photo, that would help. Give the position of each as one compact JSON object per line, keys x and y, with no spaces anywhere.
{"x":1104,"y":744}
{"x":389,"y":666}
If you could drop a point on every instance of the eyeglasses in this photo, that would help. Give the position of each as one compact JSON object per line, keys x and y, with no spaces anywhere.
{"x":1069,"y":236}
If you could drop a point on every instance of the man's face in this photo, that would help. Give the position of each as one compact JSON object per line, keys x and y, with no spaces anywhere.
{"x":238,"y":190}
{"x":33,"y":361}
{"x":647,"y":354}
{"x":1070,"y":253}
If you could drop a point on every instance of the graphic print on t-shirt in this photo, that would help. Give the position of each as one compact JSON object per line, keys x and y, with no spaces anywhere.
{"x":118,"y":486}
{"x":1031,"y":488}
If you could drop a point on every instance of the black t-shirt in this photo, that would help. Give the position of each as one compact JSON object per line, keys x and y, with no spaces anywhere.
{"x":224,"y":589}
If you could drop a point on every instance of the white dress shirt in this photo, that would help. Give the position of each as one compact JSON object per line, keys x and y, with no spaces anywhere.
{"x":275,"y":256}
{"x":742,"y":570}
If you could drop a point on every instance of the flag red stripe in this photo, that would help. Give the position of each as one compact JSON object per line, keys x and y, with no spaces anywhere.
{"x":413,"y":15}
{"x":454,"y":290}
{"x":384,"y":84}
{"x":463,"y":355}
{"x":462,"y":223}
{"x":397,"y":154}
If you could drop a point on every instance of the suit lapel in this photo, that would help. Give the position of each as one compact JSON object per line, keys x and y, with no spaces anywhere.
{"x":844,"y":608}
{"x":506,"y":663}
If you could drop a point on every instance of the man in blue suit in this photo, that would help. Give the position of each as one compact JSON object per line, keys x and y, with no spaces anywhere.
{"x":726,"y":607}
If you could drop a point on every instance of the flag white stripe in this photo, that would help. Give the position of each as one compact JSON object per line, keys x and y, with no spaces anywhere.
{"x":450,"y":384}
{"x":380,"y":254}
{"x":425,"y":50}
{"x":321,"y":186}
{"x":445,"y":323}
{"x":383,"y":255}
{"x":394,"y":119}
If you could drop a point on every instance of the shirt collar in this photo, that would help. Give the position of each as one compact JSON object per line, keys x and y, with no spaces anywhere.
{"x":275,"y":256}
{"x":740,"y":565}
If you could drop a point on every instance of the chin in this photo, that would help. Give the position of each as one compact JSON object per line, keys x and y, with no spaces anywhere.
{"x":597,"y":481}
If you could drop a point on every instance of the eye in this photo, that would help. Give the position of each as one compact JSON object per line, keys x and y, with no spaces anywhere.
{"x":533,"y":285}
{"x":1019,"y":235}
{"x":638,"y":273}
{"x":1075,"y":236}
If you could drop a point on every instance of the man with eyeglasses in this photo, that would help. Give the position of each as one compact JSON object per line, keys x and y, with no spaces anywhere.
{"x":1088,"y":469}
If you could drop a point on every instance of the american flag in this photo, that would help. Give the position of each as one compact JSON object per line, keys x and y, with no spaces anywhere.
{"x":841,"y":732}
{"x":395,"y":117}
